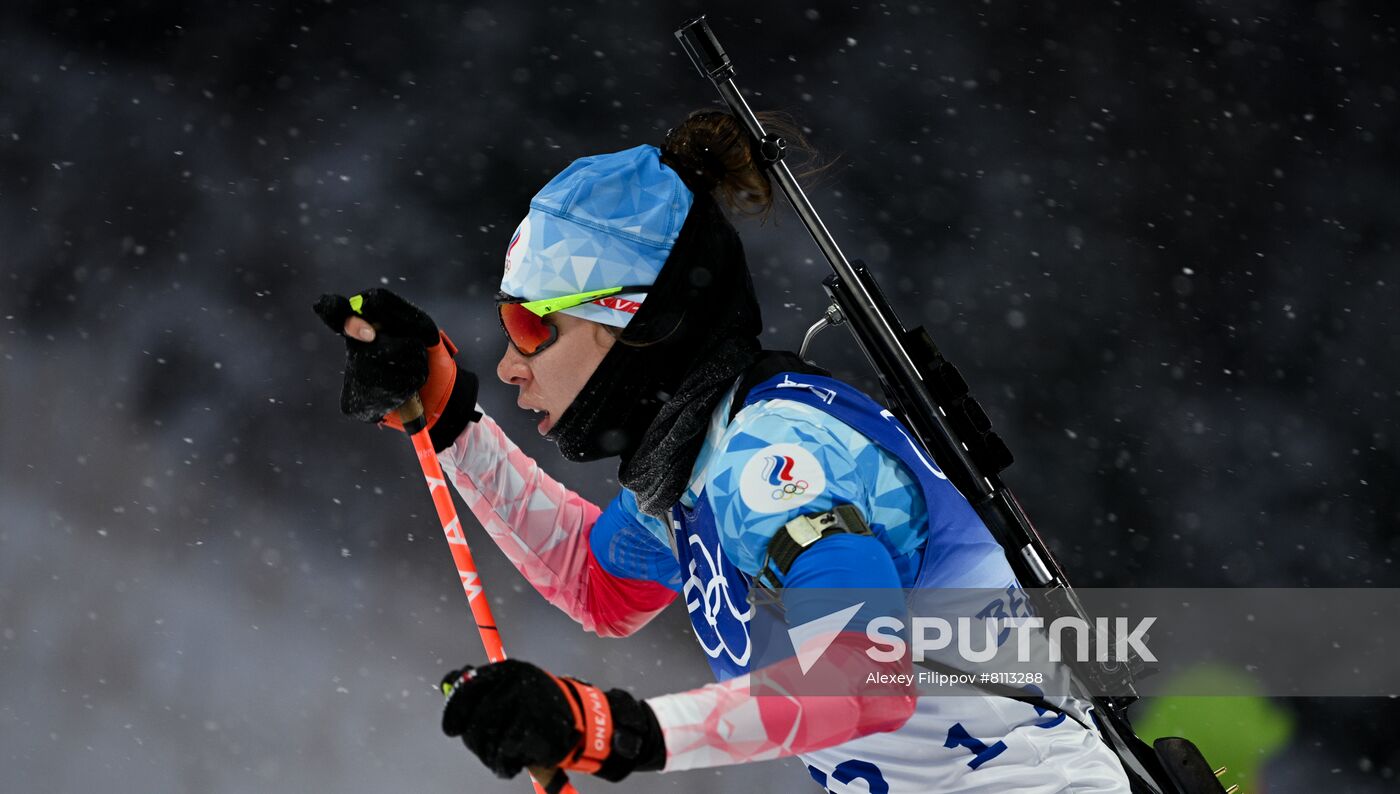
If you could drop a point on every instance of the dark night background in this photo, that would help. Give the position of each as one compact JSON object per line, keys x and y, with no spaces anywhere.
{"x":1159,"y":240}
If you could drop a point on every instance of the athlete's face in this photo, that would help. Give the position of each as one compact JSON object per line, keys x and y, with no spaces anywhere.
{"x":550,"y":380}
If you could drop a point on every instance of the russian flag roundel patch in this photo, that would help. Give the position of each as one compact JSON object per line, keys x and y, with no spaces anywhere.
{"x":781,"y":477}
{"x":519,"y":244}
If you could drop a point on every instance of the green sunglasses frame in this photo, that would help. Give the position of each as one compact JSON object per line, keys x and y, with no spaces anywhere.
{"x":545,"y":306}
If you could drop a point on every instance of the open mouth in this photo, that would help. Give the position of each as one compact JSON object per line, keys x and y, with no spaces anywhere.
{"x":546,"y":422}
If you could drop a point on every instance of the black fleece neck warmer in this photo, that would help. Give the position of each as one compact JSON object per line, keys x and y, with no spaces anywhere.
{"x":650,"y":399}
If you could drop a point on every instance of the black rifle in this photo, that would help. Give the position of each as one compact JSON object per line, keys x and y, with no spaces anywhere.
{"x":929,"y":395}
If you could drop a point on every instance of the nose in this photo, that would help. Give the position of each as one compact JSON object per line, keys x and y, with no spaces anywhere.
{"x":513,"y":368}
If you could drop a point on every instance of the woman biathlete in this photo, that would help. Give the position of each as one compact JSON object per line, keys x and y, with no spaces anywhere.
{"x":632,"y":329}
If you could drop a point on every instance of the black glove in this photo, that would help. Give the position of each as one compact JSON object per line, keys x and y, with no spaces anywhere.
{"x":409,"y":354}
{"x":514,"y":715}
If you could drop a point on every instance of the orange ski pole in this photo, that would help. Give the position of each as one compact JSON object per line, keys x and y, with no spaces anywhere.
{"x":546,"y":780}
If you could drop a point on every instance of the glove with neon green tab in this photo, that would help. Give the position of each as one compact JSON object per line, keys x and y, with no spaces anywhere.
{"x":408,"y":354}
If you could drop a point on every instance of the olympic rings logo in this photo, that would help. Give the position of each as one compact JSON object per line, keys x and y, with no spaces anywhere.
{"x":781,"y":477}
{"x":790,"y":490}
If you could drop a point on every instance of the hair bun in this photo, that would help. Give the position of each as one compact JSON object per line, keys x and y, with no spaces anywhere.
{"x":698,"y":149}
{"x":713,"y":153}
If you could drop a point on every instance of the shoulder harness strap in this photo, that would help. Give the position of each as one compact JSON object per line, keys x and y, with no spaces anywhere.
{"x":768,"y":364}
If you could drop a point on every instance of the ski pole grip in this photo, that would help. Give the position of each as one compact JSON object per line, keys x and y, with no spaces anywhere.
{"x":411,"y":414}
{"x":550,"y":780}
{"x":700,"y":44}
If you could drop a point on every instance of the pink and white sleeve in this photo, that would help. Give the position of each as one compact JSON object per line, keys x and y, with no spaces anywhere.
{"x":727,"y":723}
{"x":543,"y":528}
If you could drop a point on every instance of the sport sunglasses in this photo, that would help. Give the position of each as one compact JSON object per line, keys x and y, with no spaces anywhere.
{"x":523,"y":320}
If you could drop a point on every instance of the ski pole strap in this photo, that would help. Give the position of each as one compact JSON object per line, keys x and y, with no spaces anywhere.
{"x":593,"y":719}
{"x":799,"y":534}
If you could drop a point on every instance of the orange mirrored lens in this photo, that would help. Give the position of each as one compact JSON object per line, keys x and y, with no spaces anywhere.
{"x":528,"y":332}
